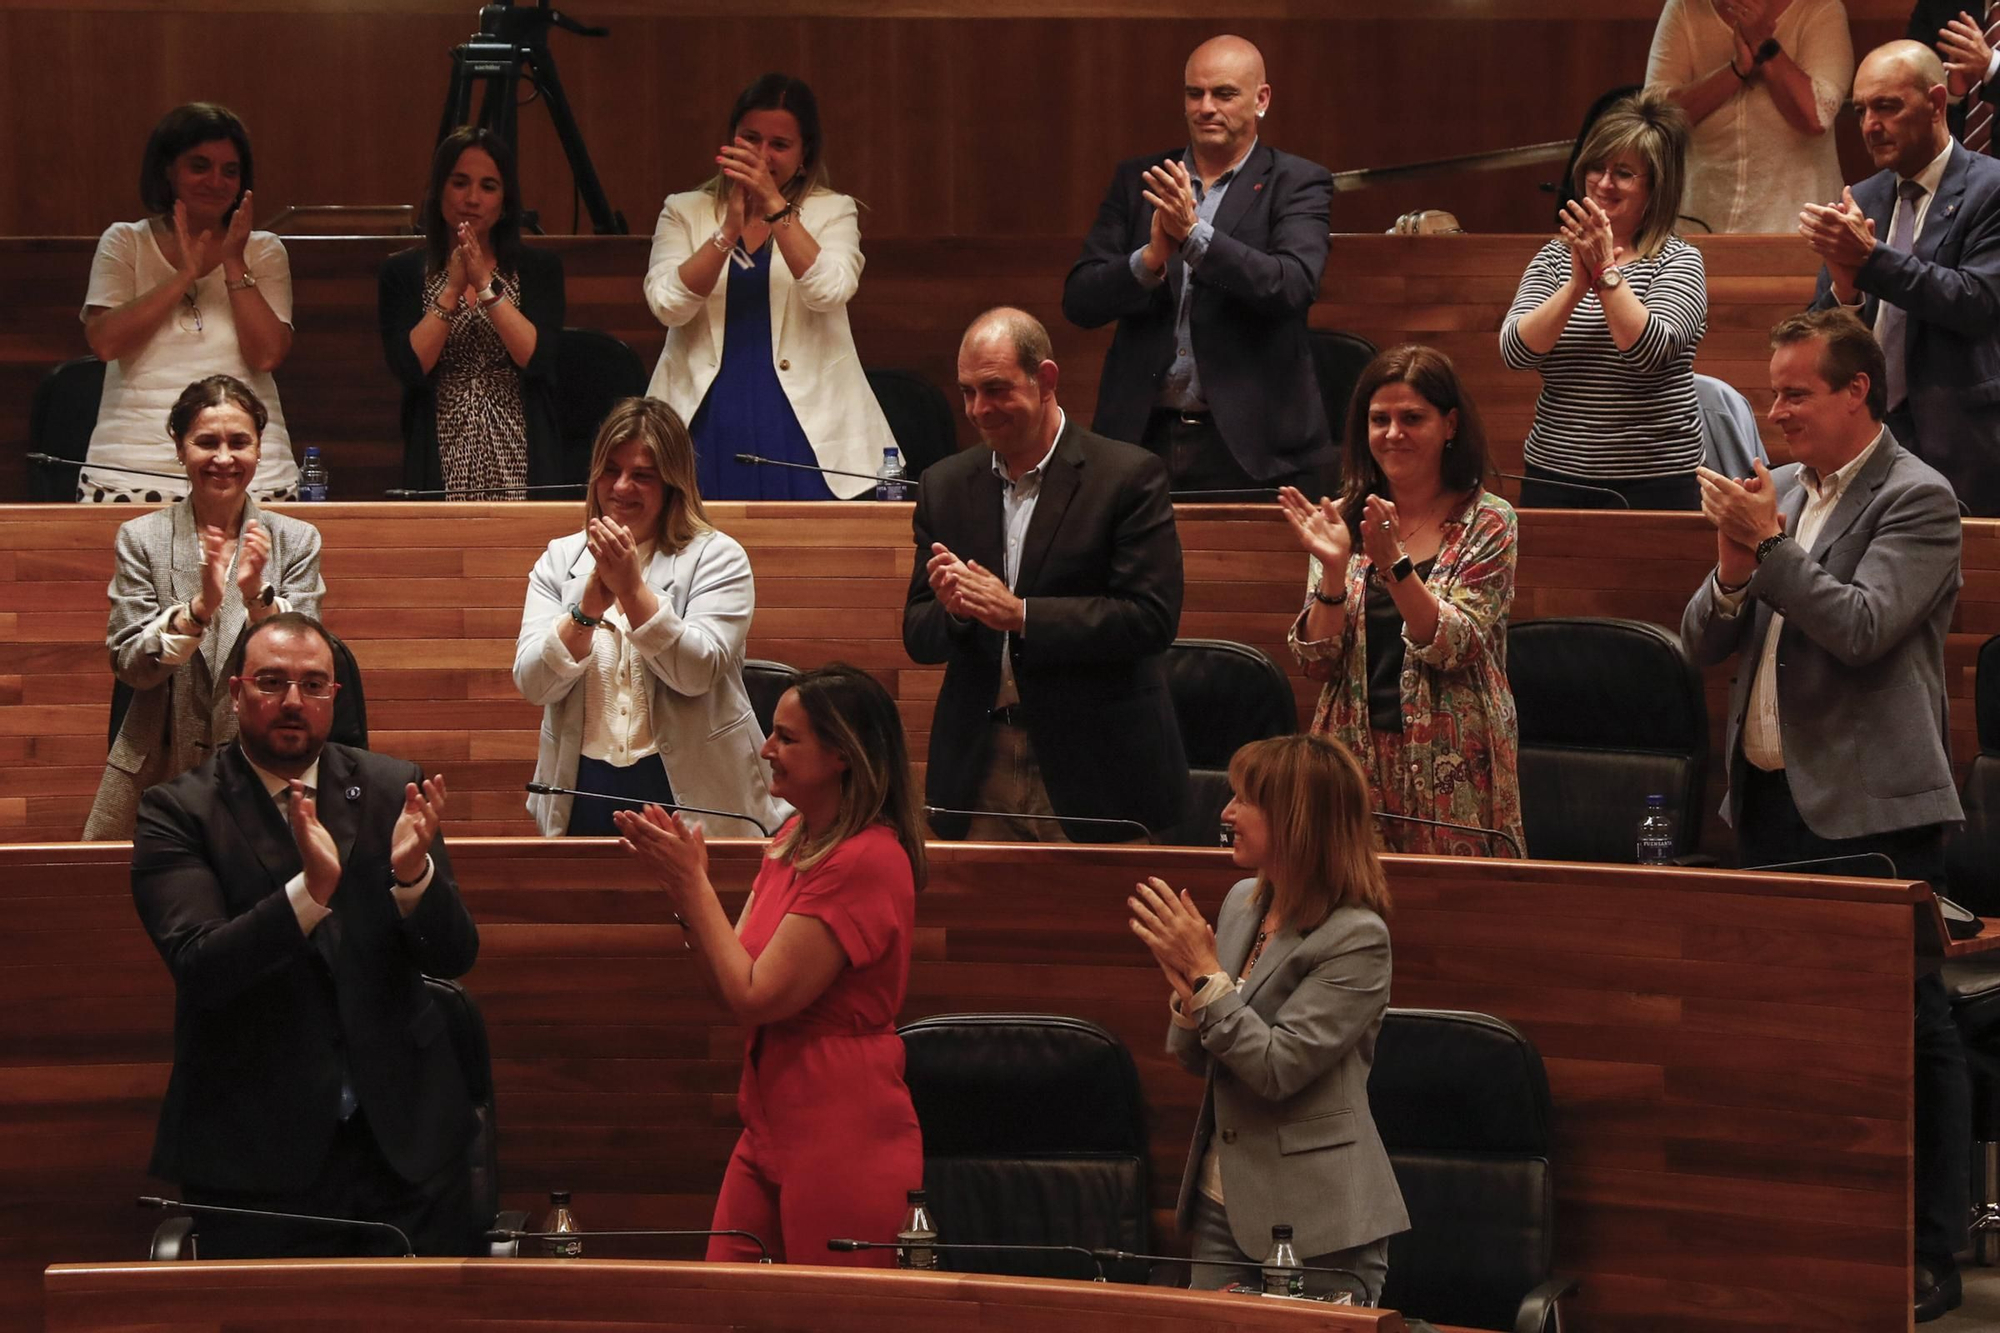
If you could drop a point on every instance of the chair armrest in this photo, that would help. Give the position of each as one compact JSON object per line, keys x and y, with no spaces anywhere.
{"x":173,"y":1239}
{"x":510,"y":1219}
{"x":1538,"y":1313}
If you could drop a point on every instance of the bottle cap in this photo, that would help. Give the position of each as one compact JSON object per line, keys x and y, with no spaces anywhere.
{"x":1656,"y":800}
{"x":312,"y":451}
{"x":1281,"y":1232}
{"x":559,"y":1196}
{"x":916,"y":1196}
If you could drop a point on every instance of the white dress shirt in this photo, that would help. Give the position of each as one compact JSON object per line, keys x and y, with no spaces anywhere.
{"x":1017,"y":509}
{"x":308,"y":910}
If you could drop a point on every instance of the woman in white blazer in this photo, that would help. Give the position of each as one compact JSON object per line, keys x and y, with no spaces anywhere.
{"x":1277,"y":1009}
{"x":751,"y":273}
{"x":632,"y":641}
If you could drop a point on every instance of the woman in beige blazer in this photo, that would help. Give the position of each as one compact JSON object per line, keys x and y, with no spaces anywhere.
{"x":1278,"y":1009}
{"x":751,"y":273}
{"x":191,"y":578}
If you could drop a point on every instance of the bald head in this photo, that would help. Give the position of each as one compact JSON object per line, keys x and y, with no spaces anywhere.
{"x":1900,"y":95}
{"x":1020,"y":332}
{"x":1008,"y":381}
{"x":1225,"y":96}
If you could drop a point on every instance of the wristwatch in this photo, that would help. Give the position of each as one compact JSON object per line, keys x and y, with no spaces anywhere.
{"x":1768,"y":50}
{"x":588,"y":622}
{"x":492,"y":292}
{"x":1769,"y":544}
{"x":1402,"y":569}
{"x":249,"y":281}
{"x":267,"y":595}
{"x":1609,"y":278}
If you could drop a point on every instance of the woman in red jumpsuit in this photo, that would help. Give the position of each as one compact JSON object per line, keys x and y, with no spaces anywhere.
{"x":815,"y":971}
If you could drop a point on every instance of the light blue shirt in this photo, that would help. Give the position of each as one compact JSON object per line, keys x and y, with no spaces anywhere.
{"x":1017,"y":510}
{"x":1181,"y":386}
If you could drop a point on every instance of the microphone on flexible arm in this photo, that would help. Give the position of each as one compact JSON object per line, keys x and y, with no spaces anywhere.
{"x":843,"y":1246}
{"x":1130,"y":825}
{"x":337,"y":1223}
{"x":505,"y":1234}
{"x":1456,"y":828}
{"x":760,"y":461}
{"x":1623,"y":503}
{"x":546,"y":789}
{"x":1242,"y":494}
{"x":404,"y":493}
{"x":50,"y":460}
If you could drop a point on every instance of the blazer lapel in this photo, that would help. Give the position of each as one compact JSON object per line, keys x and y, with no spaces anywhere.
{"x":1277,"y":949}
{"x":257,"y":817}
{"x":985,"y":541}
{"x":1855,"y":499}
{"x":1244,"y":188}
{"x":1061,"y":477}
{"x":1944,"y":208}
{"x":341,"y":793}
{"x":220,"y":642}
{"x":1234,"y":937}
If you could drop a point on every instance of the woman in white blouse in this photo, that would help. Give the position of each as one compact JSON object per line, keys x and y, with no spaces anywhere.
{"x":632,"y":641}
{"x":1761,"y":82}
{"x":190,"y":291}
{"x":751,"y":273}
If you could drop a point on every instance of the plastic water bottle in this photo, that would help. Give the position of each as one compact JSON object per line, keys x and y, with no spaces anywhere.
{"x":561,"y":1243}
{"x":313,"y":483}
{"x":891,"y":482}
{"x":916,"y":1239}
{"x":1282,"y":1274}
{"x":1656,"y":833}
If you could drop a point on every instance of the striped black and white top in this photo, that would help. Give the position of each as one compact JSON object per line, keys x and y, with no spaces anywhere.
{"x":1605,"y":413}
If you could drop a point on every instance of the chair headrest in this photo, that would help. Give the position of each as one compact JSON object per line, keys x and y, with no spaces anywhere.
{"x":1226,"y":694}
{"x":1022,"y":1084}
{"x":1606,"y":684}
{"x":1986,"y":696}
{"x":1448,"y":1081}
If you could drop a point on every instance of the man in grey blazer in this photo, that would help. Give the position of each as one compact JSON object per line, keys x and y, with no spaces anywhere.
{"x":1835,"y":582}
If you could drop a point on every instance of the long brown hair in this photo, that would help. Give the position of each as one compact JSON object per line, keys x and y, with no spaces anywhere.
{"x":852,"y":715}
{"x":1431,"y":374}
{"x":659,"y":428}
{"x":1314,"y":798}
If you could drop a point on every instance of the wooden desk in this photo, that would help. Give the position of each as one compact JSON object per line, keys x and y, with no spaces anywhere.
{"x":421,"y":1295}
{"x":430,"y":598}
{"x":1729,"y":1055}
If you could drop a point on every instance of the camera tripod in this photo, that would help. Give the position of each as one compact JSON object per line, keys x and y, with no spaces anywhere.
{"x":511,"y":40}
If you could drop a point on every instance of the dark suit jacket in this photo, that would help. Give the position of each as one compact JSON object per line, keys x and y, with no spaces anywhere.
{"x":1251,"y":294}
{"x":1101,"y":574}
{"x":1861,"y":689}
{"x":1949,"y":286}
{"x":400,"y":304}
{"x":1927,"y":18}
{"x":263,"y":1012}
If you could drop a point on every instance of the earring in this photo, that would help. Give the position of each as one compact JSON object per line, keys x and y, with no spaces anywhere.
{"x":1449,"y":442}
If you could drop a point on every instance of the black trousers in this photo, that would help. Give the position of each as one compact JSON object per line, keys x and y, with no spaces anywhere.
{"x":356,"y":1182}
{"x":1545,"y":489}
{"x":1199,"y":459}
{"x":1771,"y":829}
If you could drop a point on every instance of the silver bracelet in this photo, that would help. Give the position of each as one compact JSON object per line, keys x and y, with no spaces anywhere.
{"x":720,"y":244}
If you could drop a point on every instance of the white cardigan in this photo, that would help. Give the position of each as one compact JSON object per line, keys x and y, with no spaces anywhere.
{"x":811,"y":345}
{"x":693,"y":651}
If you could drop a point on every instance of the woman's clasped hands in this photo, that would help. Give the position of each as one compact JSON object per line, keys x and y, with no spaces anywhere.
{"x":1173,"y":928}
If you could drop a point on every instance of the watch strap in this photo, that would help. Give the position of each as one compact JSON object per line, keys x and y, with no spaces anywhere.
{"x":1770,"y":544}
{"x":1768,"y":50}
{"x":1403,"y":568}
{"x":576,"y":613}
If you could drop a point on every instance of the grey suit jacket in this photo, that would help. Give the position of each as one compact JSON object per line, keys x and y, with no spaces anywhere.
{"x":1861,"y":697}
{"x":1287,"y":1057}
{"x":181,"y":714}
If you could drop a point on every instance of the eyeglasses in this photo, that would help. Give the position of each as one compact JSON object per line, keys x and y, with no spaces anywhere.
{"x":312,"y":687}
{"x":189,"y":317}
{"x":1623,"y":177}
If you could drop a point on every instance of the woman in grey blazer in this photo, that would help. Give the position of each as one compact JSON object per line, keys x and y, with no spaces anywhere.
{"x":1277,"y":1008}
{"x":632,"y":640}
{"x":190,"y":579}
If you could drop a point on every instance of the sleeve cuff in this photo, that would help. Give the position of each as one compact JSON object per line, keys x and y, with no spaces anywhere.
{"x":1219,"y":984}
{"x":1728,"y":605}
{"x":660,"y":629}
{"x":1195,"y":248}
{"x":174,"y":648}
{"x":310,"y":913}
{"x":555,"y":653}
{"x":408,"y":898}
{"x":1144,"y":276}
{"x":1992,"y":68}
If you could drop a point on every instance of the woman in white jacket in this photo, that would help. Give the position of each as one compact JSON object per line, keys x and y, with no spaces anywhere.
{"x":632,"y":641}
{"x":751,"y":273}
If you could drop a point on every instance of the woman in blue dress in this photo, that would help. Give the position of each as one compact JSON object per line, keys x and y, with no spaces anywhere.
{"x":751,"y":273}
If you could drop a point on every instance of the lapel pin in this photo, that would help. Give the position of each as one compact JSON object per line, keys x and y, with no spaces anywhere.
{"x":1258,"y":186}
{"x":354,"y":793}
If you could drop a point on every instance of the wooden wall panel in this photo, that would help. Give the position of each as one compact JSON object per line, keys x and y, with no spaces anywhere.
{"x":1727,"y":1053}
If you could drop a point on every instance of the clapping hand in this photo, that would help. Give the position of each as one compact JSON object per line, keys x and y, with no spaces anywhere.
{"x":250,"y":565}
{"x":1320,"y":529}
{"x":1170,"y":190}
{"x":410,"y":841}
{"x":743,"y":166}
{"x":1967,"y":55}
{"x":1173,"y":928}
{"x":971,"y":591}
{"x":1381,"y":533}
{"x":1746,"y":512}
{"x":318,"y":855}
{"x":217,"y":550}
{"x":617,"y":555}
{"x":476,"y":267}
{"x":237,"y":238}
{"x":1752,"y":21}
{"x":1842,"y":235}
{"x":1586,"y":229}
{"x":199,"y":252}
{"x":676,"y":852}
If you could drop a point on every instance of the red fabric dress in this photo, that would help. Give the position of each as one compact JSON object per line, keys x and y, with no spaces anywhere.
{"x":830,"y":1144}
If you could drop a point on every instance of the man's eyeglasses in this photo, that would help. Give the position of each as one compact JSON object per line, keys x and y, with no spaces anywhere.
{"x":312,"y":687}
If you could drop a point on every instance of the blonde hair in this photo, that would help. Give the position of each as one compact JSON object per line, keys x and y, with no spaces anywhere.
{"x":852,"y":715}
{"x":659,"y":428}
{"x":1652,"y":128}
{"x":1314,"y":798}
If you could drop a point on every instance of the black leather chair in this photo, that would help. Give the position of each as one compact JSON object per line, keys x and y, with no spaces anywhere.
{"x":60,"y":419}
{"x":179,"y":1237}
{"x":1463,"y":1105}
{"x":1972,"y":868}
{"x":920,"y":417}
{"x":350,"y":706}
{"x":766,"y":682}
{"x":1225,"y":696}
{"x":1339,"y":358}
{"x":1034,"y":1134}
{"x":593,"y":371}
{"x":1611,"y":711}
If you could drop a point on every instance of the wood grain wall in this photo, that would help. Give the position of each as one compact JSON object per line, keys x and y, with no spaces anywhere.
{"x":949,"y":117}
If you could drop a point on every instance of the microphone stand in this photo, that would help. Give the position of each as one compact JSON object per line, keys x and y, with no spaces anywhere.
{"x":1127,"y":1256}
{"x":1457,"y":828}
{"x":50,"y":460}
{"x":351,"y":1223}
{"x":842,"y":1246}
{"x":1623,"y":503}
{"x":1131,"y":824}
{"x":511,"y":1233}
{"x":545,"y":789}
{"x":404,"y":493}
{"x":760,"y":461}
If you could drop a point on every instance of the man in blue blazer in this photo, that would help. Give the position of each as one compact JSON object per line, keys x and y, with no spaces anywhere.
{"x":1915,"y":249}
{"x":1834,"y":586}
{"x":1208,"y":258}
{"x":1955,"y":30}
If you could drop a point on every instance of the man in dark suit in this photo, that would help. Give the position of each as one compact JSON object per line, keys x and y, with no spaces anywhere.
{"x":1956,"y":30}
{"x":298,"y":892}
{"x":1048,"y":580}
{"x":1209,"y":258}
{"x":1916,"y":249}
{"x":1834,"y":585}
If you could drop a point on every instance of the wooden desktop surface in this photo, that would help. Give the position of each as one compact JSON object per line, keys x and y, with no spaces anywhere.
{"x":1729,"y":1055}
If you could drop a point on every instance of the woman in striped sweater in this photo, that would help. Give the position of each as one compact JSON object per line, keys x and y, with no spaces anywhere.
{"x":1610,"y":312}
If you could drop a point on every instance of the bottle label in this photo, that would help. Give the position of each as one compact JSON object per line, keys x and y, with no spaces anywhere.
{"x":566,"y":1247}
